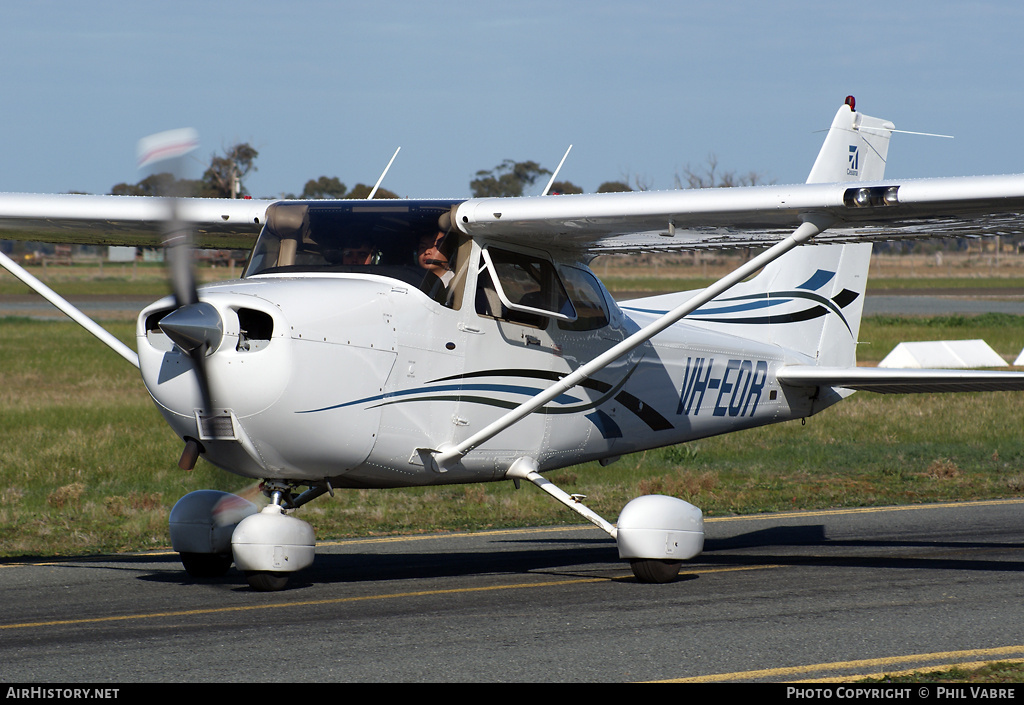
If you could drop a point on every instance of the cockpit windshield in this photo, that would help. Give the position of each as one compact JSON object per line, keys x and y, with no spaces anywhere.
{"x":411,"y":241}
{"x":414,"y":242}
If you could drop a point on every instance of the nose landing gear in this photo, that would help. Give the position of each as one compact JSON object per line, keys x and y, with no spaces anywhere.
{"x":210,"y":529}
{"x":269,"y":546}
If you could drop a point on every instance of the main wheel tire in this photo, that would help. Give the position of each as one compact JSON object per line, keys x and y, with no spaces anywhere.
{"x":653,"y":570}
{"x":267,"y":581}
{"x":206,"y":565}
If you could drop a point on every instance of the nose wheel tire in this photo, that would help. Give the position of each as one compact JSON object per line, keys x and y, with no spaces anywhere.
{"x":266,"y":581}
{"x":651,"y":570}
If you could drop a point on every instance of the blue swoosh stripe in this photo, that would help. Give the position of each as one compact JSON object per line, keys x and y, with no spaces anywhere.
{"x":817,"y":280}
{"x":507,"y":388}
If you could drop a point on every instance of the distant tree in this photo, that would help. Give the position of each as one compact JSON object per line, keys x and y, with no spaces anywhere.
{"x":153,"y":185}
{"x":223,"y":178}
{"x":709,"y":176}
{"x":362,"y":191}
{"x":324,"y":187}
{"x":636,"y":182}
{"x":125,"y":189}
{"x":507,"y":179}
{"x":613,"y":187}
{"x":564,"y":187}
{"x":327,"y":188}
{"x":162,"y":184}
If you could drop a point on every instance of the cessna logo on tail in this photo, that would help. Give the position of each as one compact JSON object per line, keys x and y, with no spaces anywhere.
{"x":854,"y":168}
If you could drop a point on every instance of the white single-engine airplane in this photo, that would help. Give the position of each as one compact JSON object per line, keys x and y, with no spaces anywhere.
{"x":423,"y":342}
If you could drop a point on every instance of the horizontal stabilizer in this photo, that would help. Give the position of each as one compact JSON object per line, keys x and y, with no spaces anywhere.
{"x":945,"y":354}
{"x":901,"y":381}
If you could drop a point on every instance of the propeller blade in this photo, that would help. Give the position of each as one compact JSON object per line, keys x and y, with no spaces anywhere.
{"x":177,"y":240}
{"x":194,"y":326}
{"x":232,"y":508}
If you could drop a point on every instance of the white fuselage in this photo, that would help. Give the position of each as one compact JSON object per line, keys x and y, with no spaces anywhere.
{"x":355,"y":378}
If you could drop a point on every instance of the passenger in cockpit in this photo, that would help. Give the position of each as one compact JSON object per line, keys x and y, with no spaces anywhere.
{"x":359,"y":252}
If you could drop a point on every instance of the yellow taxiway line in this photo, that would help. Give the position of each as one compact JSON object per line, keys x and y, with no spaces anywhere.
{"x":927,"y":661}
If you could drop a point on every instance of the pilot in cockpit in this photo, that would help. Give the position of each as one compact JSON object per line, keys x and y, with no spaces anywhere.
{"x":434,"y":255}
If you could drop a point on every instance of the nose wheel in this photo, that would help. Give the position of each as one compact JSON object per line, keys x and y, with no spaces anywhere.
{"x":271,"y":545}
{"x":652,"y":570}
{"x":266,"y":580}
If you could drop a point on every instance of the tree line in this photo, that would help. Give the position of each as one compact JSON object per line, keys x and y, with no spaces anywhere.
{"x":225,"y":178}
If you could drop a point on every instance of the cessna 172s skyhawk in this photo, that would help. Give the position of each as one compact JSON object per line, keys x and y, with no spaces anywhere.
{"x":420,"y":342}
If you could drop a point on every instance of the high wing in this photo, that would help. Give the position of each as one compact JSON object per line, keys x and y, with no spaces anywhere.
{"x":220,"y":223}
{"x":610,"y":223}
{"x":752,"y":216}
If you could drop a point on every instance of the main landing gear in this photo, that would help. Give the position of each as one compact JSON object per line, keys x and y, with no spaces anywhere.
{"x":654,"y":532}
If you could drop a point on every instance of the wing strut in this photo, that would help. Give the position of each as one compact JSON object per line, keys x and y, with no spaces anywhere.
{"x":812,"y":225}
{"x":66,"y":307}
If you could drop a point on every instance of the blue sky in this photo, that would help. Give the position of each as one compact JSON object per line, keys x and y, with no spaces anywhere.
{"x":641,"y":89}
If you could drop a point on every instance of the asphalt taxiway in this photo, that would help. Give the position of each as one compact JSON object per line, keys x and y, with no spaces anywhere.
{"x":775,"y":597}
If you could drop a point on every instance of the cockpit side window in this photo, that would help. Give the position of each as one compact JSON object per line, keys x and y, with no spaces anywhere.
{"x":587,"y":296}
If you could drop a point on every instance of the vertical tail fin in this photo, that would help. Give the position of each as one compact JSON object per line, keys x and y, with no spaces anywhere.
{"x":811,"y":299}
{"x":855,"y":148}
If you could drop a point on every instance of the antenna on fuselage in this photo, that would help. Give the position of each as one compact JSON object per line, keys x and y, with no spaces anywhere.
{"x":383,"y":174}
{"x":557,"y":169}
